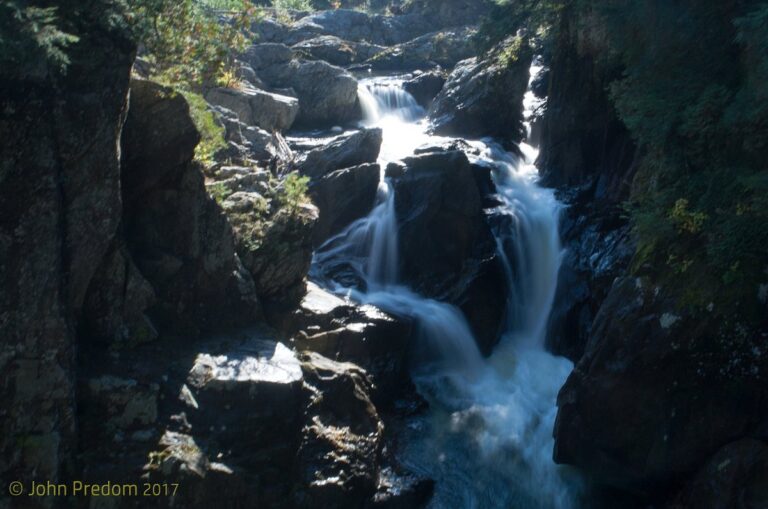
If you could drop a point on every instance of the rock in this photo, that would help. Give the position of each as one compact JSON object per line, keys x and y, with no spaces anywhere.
{"x":342,"y":197}
{"x":657,"y":391}
{"x":336,"y":51}
{"x":425,"y":87}
{"x":260,"y":382}
{"x":484,"y":97}
{"x":358,"y":26}
{"x":114,"y":406}
{"x":342,"y":152}
{"x":444,"y":48}
{"x":364,"y":335}
{"x":447,"y":251}
{"x":277,"y":251}
{"x":598,"y":249}
{"x":262,"y":57}
{"x":327,"y":94}
{"x":256,"y":107}
{"x":341,"y":444}
{"x":177,"y":235}
{"x":736,"y":476}
{"x":59,"y":214}
{"x":114,"y":309}
{"x":254,"y":142}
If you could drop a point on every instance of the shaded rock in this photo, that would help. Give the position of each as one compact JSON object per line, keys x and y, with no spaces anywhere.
{"x":337,"y":51}
{"x":343,"y":196}
{"x":446,"y":247}
{"x":59,"y":214}
{"x":256,"y":107}
{"x":736,"y":476}
{"x":327,"y":94}
{"x":598,"y":249}
{"x":425,"y":87}
{"x":114,"y":407}
{"x":657,"y":391}
{"x":444,"y":48}
{"x":177,"y":235}
{"x":341,"y":445}
{"x":114,"y":309}
{"x":343,"y":152}
{"x":364,"y":335}
{"x":484,"y":97}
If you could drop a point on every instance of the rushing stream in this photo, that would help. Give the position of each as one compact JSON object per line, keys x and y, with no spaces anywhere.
{"x":487,"y":437}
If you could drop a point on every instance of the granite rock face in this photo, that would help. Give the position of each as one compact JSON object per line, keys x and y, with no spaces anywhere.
{"x":59,"y":213}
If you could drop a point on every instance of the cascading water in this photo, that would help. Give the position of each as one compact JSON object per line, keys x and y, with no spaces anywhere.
{"x":487,"y":439}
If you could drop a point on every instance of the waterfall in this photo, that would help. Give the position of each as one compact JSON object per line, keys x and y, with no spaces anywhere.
{"x":487,"y":439}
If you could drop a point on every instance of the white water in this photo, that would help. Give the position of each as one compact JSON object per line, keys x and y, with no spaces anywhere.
{"x":487,"y":439}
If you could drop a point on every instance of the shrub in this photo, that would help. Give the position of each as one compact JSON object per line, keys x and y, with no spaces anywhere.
{"x":294,"y":192}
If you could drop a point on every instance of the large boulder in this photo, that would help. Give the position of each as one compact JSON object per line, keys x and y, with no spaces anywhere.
{"x":658,"y":391}
{"x":425,"y":87}
{"x":176,"y":233}
{"x":340,"y":453}
{"x":342,"y":152}
{"x":276,"y":249}
{"x":255,"y":107}
{"x":484,"y":96}
{"x":364,"y":335}
{"x":336,"y":51}
{"x":446,"y":247}
{"x":342,"y":197}
{"x":327,"y":94}
{"x":444,"y":48}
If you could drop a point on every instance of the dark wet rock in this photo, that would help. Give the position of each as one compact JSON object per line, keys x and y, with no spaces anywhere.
{"x":483,"y":97}
{"x":401,"y":491}
{"x":342,"y":197}
{"x":327,"y":94}
{"x":736,"y":476}
{"x":343,"y":151}
{"x":447,"y":250}
{"x":336,"y":51}
{"x":582,"y":136}
{"x":59,"y":213}
{"x":362,"y":334}
{"x":341,"y":445}
{"x":254,"y":107}
{"x":657,"y":392}
{"x":425,"y":87}
{"x":251,"y":142}
{"x":178,"y":236}
{"x":444,"y":48}
{"x":598,"y":248}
